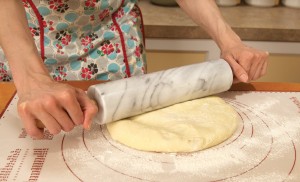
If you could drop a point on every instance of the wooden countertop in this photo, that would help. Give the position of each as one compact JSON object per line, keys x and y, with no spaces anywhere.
{"x":7,"y":90}
{"x":278,"y":23}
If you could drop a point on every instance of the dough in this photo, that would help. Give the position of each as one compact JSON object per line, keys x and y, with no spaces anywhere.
{"x":185,"y":127}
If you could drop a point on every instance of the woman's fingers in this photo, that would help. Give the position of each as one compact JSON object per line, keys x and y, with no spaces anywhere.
{"x":50,"y":123}
{"x":238,"y":71}
{"x":57,"y":106}
{"x":72,"y":106}
{"x":29,"y":122}
{"x":88,"y":106}
{"x":54,"y":116}
{"x":264,"y":68}
{"x":258,"y":61}
{"x":247,"y":63}
{"x":62,"y":118}
{"x":258,"y":71}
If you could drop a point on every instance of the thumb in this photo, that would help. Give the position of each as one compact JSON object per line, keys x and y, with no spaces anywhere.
{"x":238,"y":70}
{"x":88,"y":107}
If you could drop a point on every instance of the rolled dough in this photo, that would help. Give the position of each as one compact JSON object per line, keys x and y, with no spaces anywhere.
{"x":185,"y":127}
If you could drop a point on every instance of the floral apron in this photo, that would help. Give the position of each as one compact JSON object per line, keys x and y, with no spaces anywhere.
{"x":86,"y":39}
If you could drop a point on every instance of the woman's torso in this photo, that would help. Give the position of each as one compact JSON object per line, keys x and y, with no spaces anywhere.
{"x":86,"y":39}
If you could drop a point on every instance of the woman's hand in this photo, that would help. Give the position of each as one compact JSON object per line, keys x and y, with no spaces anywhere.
{"x":58,"y":106}
{"x":247,"y":63}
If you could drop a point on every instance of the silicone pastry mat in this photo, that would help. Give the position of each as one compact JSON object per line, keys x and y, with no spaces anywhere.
{"x":265,"y":147}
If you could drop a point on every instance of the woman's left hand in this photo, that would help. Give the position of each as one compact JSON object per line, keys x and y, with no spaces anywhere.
{"x":246,"y":62}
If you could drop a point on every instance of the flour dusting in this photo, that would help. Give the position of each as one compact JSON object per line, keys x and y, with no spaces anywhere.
{"x":262,"y":149}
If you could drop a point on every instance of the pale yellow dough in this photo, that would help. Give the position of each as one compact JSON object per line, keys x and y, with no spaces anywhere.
{"x":185,"y":127}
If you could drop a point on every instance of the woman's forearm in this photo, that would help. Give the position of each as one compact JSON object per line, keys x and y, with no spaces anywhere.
{"x":18,"y":45}
{"x":247,"y":63}
{"x":207,"y":15}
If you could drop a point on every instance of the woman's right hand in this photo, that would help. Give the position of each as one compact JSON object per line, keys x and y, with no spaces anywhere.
{"x":57,"y":105}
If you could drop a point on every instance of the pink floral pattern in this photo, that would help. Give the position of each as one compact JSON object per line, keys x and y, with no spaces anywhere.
{"x":104,"y":14}
{"x":66,"y":39}
{"x":59,"y":48}
{"x":90,"y":4}
{"x":3,"y":73}
{"x":120,"y":13}
{"x":86,"y":73}
{"x":107,"y":48}
{"x":60,"y":74}
{"x":137,"y":51}
{"x":25,"y":3}
{"x":87,"y":43}
{"x":58,"y":5}
{"x":48,"y":24}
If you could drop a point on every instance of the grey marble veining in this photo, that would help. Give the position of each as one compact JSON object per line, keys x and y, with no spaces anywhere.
{"x":132,"y":96}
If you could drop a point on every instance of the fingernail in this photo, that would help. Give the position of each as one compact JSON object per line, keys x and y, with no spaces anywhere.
{"x":244,"y":78}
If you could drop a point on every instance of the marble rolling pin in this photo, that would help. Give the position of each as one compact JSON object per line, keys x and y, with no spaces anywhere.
{"x":139,"y":94}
